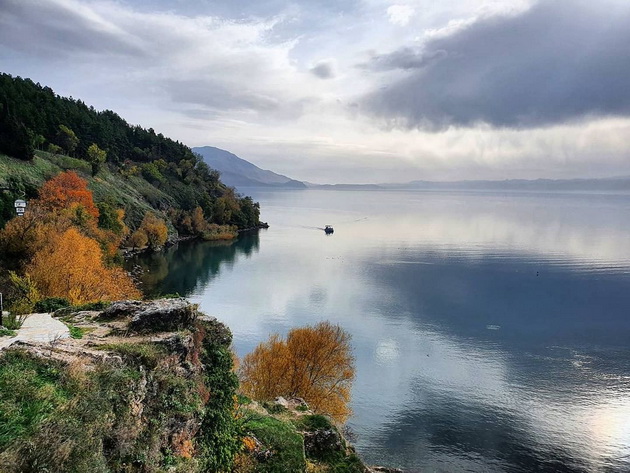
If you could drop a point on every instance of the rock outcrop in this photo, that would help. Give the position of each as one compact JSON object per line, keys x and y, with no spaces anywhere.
{"x":162,"y":315}
{"x":150,"y":388}
{"x":322,"y":442}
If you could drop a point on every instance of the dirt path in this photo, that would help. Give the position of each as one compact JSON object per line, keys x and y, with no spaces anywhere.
{"x":38,"y":328}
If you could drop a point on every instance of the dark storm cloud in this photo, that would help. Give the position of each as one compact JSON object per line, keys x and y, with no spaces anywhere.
{"x":558,"y":62}
{"x":404,"y":58}
{"x":57,"y":29}
{"x":323,"y":70}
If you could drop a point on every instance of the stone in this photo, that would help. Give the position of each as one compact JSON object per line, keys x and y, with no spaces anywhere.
{"x":282,"y":402}
{"x":322,"y":442}
{"x":164,"y":315}
{"x":161,"y":315}
{"x":121,"y":309}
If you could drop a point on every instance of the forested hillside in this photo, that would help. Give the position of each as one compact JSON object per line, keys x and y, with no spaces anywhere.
{"x":166,"y":174}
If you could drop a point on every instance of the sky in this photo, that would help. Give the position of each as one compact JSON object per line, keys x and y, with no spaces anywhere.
{"x":352,"y":91}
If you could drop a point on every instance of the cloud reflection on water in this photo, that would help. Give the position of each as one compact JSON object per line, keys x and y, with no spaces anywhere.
{"x":418,"y":282}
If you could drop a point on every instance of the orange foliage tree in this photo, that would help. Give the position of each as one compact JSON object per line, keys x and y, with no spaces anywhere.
{"x":70,"y":265}
{"x":198,"y":221}
{"x":155,"y":230}
{"x":314,"y":363}
{"x":23,"y":236}
{"x":65,"y":189}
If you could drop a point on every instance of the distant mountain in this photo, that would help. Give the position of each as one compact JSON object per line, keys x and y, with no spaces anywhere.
{"x":607,"y":184}
{"x":237,"y":172}
{"x":602,"y":184}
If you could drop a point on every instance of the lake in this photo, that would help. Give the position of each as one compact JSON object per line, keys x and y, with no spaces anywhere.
{"x":491,"y":330}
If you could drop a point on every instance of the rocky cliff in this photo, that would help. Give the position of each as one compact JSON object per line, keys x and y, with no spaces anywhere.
{"x":150,"y":387}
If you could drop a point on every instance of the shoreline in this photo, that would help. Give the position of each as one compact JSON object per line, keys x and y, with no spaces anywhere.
{"x":128,"y":253}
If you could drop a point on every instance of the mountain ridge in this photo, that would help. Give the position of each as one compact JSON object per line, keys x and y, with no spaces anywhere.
{"x":238,"y":172}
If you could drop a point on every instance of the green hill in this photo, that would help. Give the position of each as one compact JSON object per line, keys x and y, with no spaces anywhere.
{"x":42,"y":134}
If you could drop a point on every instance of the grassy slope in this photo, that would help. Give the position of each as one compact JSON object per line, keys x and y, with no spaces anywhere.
{"x":134,"y":194}
{"x":32,"y":173}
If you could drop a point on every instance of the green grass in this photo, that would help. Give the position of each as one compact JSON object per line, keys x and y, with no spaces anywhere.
{"x":13,"y":321}
{"x":30,"y":173}
{"x":281,"y":439}
{"x":147,"y":354}
{"x":76,"y":332}
{"x":7,"y":333}
{"x":311,"y":423}
{"x":67,"y":163}
{"x":30,"y":391}
{"x":60,"y":417}
{"x":132,"y":193}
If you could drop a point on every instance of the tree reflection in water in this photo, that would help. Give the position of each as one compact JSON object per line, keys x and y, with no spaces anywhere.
{"x":184,"y":267}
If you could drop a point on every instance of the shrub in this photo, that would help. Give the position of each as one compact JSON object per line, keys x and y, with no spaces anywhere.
{"x":51,"y":304}
{"x":26,"y":298}
{"x":274,"y":408}
{"x":92,"y":306}
{"x":71,"y":266}
{"x":314,"y":422}
{"x":220,"y":436}
{"x":314,"y":363}
{"x":54,"y":149}
{"x":155,"y":229}
{"x":138,"y":239}
{"x":65,"y":189}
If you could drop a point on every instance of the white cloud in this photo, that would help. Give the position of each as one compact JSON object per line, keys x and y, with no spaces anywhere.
{"x":400,"y":14}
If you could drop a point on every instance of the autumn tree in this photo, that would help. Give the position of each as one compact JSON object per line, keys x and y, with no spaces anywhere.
{"x":65,"y":189}
{"x":22,"y":237}
{"x":71,"y":266}
{"x":198,"y":222}
{"x":96,"y":156}
{"x":155,"y":229}
{"x":314,"y":363}
{"x":138,"y":239}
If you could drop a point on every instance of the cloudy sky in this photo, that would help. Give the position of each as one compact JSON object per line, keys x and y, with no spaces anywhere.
{"x":350,"y":90}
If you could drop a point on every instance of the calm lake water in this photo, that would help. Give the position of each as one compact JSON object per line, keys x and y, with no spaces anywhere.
{"x":491,"y":330}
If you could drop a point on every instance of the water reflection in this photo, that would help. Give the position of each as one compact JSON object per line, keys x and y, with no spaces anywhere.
{"x":187,"y":265}
{"x":490,"y":331}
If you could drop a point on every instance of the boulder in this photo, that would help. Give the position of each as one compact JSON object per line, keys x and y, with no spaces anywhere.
{"x":121,"y":309}
{"x":161,"y":315}
{"x":282,"y":402}
{"x":321,"y":443}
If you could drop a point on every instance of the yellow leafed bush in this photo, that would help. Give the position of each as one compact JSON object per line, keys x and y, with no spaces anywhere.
{"x":314,"y":363}
{"x":71,"y":265}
